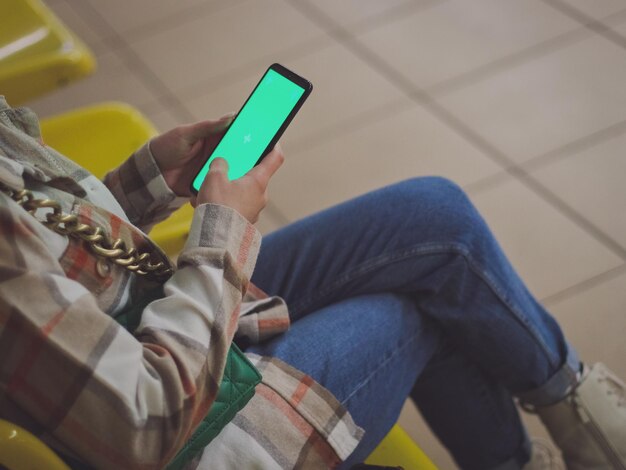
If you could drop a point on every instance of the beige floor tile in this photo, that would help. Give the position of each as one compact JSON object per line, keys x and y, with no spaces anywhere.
{"x":597,"y":8}
{"x":351,"y":12}
{"x":124,"y":16}
{"x":162,"y":118}
{"x":88,"y":32}
{"x":216,"y":44}
{"x":545,"y":103}
{"x":229,"y":98}
{"x":410,"y":143}
{"x":267,"y":223}
{"x":549,"y":251}
{"x":446,"y":40}
{"x":620,"y":28}
{"x":223,"y":99}
{"x":343,"y":87}
{"x":592,"y":182}
{"x":594,"y":322}
{"x":112,"y":81}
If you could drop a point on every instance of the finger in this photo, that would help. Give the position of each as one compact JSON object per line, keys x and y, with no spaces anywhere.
{"x":269,"y":165}
{"x":218,"y":165}
{"x":228,"y":116}
{"x":203,"y":129}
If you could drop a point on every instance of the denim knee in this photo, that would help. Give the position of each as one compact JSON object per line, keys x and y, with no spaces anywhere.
{"x":442,"y":209}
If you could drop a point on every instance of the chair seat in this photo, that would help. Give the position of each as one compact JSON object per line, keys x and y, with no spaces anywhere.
{"x":37,"y":52}
{"x":397,"y":449}
{"x":21,"y":450}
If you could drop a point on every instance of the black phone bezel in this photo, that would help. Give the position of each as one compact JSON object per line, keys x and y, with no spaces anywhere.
{"x":290,"y":75}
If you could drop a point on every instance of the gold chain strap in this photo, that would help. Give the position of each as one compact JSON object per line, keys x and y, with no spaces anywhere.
{"x":99,"y":242}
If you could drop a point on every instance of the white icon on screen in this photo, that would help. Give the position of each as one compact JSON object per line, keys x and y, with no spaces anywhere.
{"x":247,"y":138}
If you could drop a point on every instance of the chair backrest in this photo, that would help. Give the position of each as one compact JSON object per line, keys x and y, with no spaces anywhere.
{"x":37,"y":52}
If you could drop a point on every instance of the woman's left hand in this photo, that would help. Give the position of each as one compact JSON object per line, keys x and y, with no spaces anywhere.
{"x":181,"y":152}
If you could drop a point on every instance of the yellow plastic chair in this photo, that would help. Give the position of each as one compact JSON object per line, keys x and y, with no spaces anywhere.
{"x":37,"y":52}
{"x":397,"y":449}
{"x":101,"y":137}
{"x":21,"y":450}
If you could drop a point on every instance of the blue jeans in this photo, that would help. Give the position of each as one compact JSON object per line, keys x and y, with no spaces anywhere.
{"x":404,"y":292}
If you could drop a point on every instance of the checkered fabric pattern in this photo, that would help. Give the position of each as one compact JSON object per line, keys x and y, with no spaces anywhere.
{"x":71,"y":375}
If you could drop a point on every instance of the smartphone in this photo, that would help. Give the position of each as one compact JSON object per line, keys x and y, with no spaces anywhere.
{"x":259,"y":123}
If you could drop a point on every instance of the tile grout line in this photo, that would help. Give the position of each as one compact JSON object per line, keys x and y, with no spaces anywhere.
{"x":225,"y":78}
{"x":300,"y":50}
{"x":575,"y":146}
{"x":586,"y":142}
{"x":309,"y":47}
{"x":569,"y":212}
{"x":177,"y":19}
{"x":463,"y":80}
{"x":391,"y":15}
{"x":350,"y":124}
{"x":566,"y":39}
{"x":548,"y":196}
{"x":439,"y":111}
{"x":588,"y":22}
{"x":415,"y":94}
{"x":136,"y":64}
{"x":583,"y":286}
{"x":534,"y":51}
{"x":140,"y":32}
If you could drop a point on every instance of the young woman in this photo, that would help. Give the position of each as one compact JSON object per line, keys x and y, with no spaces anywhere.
{"x":400,"y":293}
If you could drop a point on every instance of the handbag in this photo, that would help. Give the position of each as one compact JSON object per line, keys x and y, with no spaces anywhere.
{"x":236,"y":389}
{"x":240,"y":377}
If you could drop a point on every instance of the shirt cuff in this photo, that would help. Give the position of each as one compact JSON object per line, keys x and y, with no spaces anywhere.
{"x":141,"y":190}
{"x":216,"y":226}
{"x":158,"y":186}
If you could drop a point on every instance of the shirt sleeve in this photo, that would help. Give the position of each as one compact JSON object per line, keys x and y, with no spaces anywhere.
{"x":118,"y":400}
{"x":141,"y":190}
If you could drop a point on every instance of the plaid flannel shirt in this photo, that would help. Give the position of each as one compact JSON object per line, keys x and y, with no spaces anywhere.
{"x":93,"y":391}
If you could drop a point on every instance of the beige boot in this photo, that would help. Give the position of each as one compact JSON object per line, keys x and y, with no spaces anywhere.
{"x":543,"y":456}
{"x":589,"y":425}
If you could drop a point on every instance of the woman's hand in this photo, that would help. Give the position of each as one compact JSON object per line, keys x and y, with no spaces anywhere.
{"x":181,"y":152}
{"x":248,"y":194}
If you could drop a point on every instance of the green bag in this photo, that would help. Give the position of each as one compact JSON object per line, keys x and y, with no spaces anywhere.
{"x":237,"y":388}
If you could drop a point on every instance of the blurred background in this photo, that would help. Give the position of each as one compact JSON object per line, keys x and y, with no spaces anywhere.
{"x":523,"y":103}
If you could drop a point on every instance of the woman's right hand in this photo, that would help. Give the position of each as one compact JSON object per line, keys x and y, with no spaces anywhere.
{"x":248,"y":194}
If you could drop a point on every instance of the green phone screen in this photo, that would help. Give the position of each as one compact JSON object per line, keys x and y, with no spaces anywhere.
{"x":255,"y":126}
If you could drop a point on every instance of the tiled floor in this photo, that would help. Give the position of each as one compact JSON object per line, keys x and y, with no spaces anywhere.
{"x":522,"y":103}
